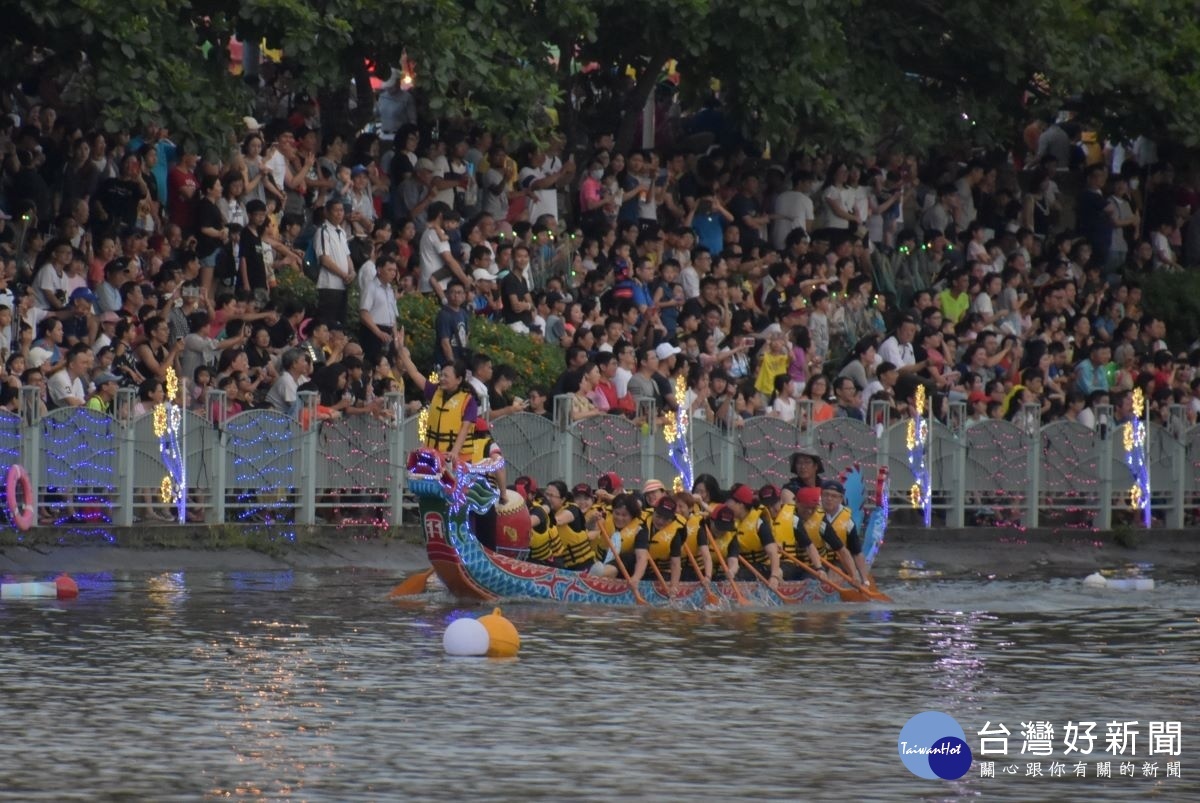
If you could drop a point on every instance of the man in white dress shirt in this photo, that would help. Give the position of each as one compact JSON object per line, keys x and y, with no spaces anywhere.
{"x":898,"y":349}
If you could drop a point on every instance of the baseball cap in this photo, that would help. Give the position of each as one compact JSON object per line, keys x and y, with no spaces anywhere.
{"x":666,"y":506}
{"x":481,"y":425}
{"x":653,"y":485}
{"x":109,"y":317}
{"x":609,"y":481}
{"x":743,"y":494}
{"x":425,"y":164}
{"x":582,"y":489}
{"x":553,"y":297}
{"x":482,"y":275}
{"x":85,"y":294}
{"x":38,"y":356}
{"x":525,"y":486}
{"x":722,"y":518}
{"x":832,"y":485}
{"x":768,"y":494}
{"x":665,"y":350}
{"x":104,"y":378}
{"x":808,"y":497}
{"x":358,"y":170}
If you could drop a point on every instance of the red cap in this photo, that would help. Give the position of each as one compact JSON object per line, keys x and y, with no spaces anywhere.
{"x":808,"y":497}
{"x":722,"y":518}
{"x":976,"y":397}
{"x":743,"y":494}
{"x":609,"y":481}
{"x":768,"y":494}
{"x":666,"y":506}
{"x":481,"y":425}
{"x":582,"y":489}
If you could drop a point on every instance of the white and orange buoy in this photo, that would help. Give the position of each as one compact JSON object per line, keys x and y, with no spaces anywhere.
{"x":62,"y":587}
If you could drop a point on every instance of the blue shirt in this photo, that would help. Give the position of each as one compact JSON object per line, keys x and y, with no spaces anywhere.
{"x":710,"y":232}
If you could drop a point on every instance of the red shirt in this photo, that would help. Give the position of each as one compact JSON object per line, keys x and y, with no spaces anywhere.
{"x":181,"y":205}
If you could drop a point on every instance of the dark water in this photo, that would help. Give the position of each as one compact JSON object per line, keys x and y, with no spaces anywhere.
{"x":314,"y":686}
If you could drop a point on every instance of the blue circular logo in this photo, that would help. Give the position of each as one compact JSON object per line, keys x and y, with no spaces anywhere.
{"x":933,"y":745}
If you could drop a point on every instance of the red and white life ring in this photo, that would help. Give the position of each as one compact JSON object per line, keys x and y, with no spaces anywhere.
{"x":20,"y":508}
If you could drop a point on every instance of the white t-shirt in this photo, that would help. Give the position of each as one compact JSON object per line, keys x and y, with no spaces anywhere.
{"x":431,"y":249}
{"x":846,"y":197}
{"x":380,"y":301}
{"x":277,"y":165}
{"x":61,"y":387}
{"x":47,"y":282}
{"x":690,"y":280}
{"x":441,"y":166}
{"x":797,"y":209}
{"x":543,"y":202}
{"x":898,"y":355}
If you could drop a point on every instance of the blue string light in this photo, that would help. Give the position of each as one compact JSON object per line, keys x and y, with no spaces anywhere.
{"x":1135,"y":457}
{"x":80,"y":456}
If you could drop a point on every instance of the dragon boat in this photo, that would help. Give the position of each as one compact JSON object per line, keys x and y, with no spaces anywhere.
{"x":448,"y":493}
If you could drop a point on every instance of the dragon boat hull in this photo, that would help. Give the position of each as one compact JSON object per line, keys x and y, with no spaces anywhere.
{"x":470,"y":571}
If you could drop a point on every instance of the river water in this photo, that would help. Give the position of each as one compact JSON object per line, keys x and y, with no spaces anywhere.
{"x":315,"y":686}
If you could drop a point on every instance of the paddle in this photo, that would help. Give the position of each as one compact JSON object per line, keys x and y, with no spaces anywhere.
{"x":762,"y":579}
{"x":710,"y":595}
{"x":877,"y":596}
{"x":413,"y":584}
{"x":621,"y":566}
{"x":737,"y":592}
{"x":813,"y":572}
{"x":666,"y":592}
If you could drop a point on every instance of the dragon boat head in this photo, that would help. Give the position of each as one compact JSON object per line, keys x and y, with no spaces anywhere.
{"x":457,"y":483}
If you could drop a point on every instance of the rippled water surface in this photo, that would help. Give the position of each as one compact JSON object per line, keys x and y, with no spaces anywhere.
{"x":315,"y":686}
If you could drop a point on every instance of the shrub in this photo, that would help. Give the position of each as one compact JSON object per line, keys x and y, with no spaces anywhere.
{"x":1174,"y":297}
{"x":295,"y":286}
{"x":536,"y":363}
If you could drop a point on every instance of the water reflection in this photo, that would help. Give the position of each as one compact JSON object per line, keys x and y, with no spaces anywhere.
{"x":316,"y":686}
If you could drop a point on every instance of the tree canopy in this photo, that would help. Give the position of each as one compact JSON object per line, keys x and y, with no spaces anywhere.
{"x":847,"y":73}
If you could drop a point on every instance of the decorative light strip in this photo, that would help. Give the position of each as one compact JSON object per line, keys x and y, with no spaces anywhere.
{"x":675,"y":431}
{"x":918,"y":437}
{"x":168,"y":428}
{"x":1134,"y":435}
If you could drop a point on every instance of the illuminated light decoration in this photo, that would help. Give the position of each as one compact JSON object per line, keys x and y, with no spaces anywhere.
{"x":168,"y":428}
{"x":1134,"y":441}
{"x":917,"y":440}
{"x":462,"y":483}
{"x":10,"y":453}
{"x":675,"y":431}
{"x":423,"y":416}
{"x":80,"y":456}
{"x":265,"y":452}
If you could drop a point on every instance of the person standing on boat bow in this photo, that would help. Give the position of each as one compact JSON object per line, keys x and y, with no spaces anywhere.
{"x":453,"y":408}
{"x":753,"y":539}
{"x":806,"y":468}
{"x":832,"y":530}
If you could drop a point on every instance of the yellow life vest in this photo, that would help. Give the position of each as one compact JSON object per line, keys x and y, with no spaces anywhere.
{"x":719,"y":543}
{"x":815,"y":526}
{"x":577,"y":544}
{"x":749,"y":545}
{"x":446,"y":420}
{"x":660,"y":542}
{"x":783,"y":527}
{"x":691,"y":541}
{"x":544,"y":545}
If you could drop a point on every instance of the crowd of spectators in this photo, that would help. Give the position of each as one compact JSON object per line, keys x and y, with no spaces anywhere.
{"x":842,"y":279}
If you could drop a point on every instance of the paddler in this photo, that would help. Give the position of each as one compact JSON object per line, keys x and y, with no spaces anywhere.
{"x":652,"y":491}
{"x":832,"y":530}
{"x":697,"y":534}
{"x":578,"y":552}
{"x":452,"y":407}
{"x":788,"y":529}
{"x":753,"y":539}
{"x":544,"y":546}
{"x":627,"y":525}
{"x":663,"y":545}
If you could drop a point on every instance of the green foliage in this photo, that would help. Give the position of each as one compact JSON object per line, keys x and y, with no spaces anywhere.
{"x":1175,"y":297}
{"x":535,"y":363}
{"x":293,"y":285}
{"x":844,"y":73}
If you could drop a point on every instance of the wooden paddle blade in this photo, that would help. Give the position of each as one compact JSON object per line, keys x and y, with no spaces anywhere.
{"x":412,"y":585}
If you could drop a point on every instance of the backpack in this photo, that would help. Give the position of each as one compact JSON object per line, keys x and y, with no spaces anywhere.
{"x":312,"y":264}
